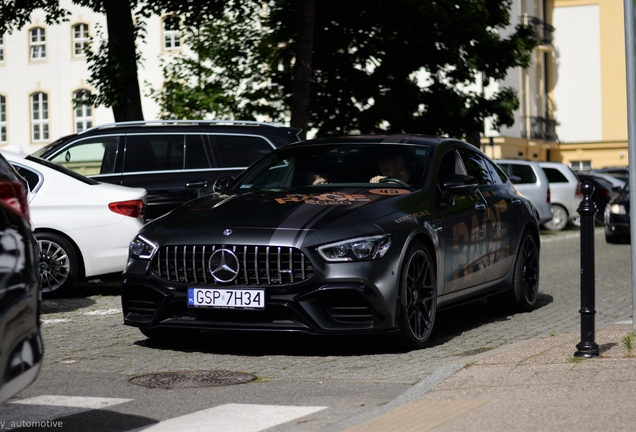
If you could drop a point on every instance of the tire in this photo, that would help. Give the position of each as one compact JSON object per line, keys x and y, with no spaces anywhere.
{"x":611,"y":239}
{"x":525,"y":285}
{"x":418,"y":298}
{"x":559,"y":218}
{"x":58,"y":264}
{"x":170,"y":335}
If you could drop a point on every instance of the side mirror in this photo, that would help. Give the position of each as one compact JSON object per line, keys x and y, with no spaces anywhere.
{"x":222,"y":183}
{"x":459,"y":184}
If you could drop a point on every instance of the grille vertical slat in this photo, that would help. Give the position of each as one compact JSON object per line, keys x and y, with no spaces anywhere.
{"x":269,"y":279}
{"x":185,"y":265}
{"x":194,"y":264}
{"x":258,"y":281}
{"x":260,"y":264}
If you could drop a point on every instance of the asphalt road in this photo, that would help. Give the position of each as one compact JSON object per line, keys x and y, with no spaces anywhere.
{"x":90,"y":354}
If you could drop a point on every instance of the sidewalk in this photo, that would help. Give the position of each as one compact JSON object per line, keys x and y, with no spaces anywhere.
{"x":535,"y":385}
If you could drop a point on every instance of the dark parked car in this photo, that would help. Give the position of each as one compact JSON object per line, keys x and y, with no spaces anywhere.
{"x":620,"y":172}
{"x":603,"y":192}
{"x":175,"y":161}
{"x":617,"y":218}
{"x":21,"y":347}
{"x":306,"y":240}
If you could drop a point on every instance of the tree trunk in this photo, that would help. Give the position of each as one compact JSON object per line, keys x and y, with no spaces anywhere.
{"x":302,"y":68}
{"x":122,"y":61}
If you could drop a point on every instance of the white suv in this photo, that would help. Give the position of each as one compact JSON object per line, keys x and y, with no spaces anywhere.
{"x":531,"y":181}
{"x":565,"y":194}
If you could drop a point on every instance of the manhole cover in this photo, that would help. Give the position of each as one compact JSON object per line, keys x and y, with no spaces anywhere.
{"x":190,"y":379}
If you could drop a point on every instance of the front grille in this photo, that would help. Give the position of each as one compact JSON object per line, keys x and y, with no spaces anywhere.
{"x":259,"y":265}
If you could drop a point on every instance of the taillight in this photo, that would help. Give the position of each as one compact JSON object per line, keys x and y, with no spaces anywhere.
{"x":132,"y":208}
{"x":14,"y":194}
{"x":578,"y":190}
{"x":548,"y":197}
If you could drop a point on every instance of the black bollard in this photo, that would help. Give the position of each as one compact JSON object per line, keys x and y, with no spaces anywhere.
{"x":587,"y":209}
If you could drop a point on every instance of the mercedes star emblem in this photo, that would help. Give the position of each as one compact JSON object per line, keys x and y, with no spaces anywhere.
{"x":224,"y":265}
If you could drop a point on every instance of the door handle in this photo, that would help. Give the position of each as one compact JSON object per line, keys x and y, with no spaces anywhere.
{"x":515,"y":202}
{"x":197,"y":184}
{"x":480,"y":206}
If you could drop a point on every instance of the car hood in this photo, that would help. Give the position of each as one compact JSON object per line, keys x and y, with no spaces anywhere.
{"x":289,"y":209}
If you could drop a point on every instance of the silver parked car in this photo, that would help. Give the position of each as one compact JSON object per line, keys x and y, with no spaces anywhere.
{"x":565,"y":194}
{"x":531,"y":181}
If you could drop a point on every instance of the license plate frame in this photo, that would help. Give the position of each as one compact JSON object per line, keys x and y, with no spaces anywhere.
{"x":226,"y":298}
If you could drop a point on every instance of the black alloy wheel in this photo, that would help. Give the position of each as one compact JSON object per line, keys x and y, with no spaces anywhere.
{"x":526,"y":277}
{"x":58,"y":264}
{"x":419,"y":298}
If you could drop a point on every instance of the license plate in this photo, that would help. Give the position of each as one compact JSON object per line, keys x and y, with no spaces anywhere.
{"x":226,"y":298}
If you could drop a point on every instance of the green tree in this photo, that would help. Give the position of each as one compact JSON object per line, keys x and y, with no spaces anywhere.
{"x":369,"y":59}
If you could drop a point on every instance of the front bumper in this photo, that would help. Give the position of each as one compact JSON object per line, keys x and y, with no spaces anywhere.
{"x":340,"y":303}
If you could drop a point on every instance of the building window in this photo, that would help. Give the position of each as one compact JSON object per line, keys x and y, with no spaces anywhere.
{"x":171,"y":33}
{"x":3,"y":119}
{"x":38,"y":43}
{"x":39,"y":117}
{"x":80,"y":39}
{"x":1,"y":48}
{"x":83,"y":110}
{"x":581,"y":165}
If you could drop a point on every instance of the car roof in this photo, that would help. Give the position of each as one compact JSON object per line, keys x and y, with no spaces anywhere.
{"x":379,"y":139}
{"x":179,"y":125}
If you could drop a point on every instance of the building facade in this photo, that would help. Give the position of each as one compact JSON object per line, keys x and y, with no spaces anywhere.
{"x":573,"y":97}
{"x":43,"y":69}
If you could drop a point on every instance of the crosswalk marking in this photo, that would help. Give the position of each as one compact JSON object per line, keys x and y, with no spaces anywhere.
{"x":49,"y":407}
{"x":233,"y":416}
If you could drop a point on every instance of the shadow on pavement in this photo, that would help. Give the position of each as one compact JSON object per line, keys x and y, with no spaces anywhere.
{"x":449,"y":324}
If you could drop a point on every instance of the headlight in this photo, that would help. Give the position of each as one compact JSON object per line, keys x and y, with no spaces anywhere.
{"x":141,"y":248}
{"x":618,"y":209}
{"x":357,"y":249}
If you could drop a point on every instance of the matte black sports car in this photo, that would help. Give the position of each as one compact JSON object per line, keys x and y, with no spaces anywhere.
{"x":362,"y":234}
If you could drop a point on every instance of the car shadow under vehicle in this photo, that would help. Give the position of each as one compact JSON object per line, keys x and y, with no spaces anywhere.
{"x":449,"y":324}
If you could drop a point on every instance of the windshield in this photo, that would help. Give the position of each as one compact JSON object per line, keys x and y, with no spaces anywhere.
{"x":339,"y":164}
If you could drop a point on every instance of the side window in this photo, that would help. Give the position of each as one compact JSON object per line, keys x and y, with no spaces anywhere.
{"x":196,"y":156}
{"x":236,"y":151}
{"x":32,"y":177}
{"x":91,"y":156}
{"x":476,"y":167}
{"x":451,"y":163}
{"x":555,"y":176}
{"x":524,"y":172}
{"x":496,"y":174}
{"x":154,"y":153}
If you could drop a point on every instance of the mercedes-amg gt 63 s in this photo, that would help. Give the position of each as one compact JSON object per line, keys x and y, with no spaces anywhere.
{"x":350,"y":235}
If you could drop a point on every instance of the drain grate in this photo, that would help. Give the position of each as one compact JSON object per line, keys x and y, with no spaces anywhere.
{"x":191,"y":379}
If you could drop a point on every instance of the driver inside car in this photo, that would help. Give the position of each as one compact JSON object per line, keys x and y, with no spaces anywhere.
{"x":392,"y":167}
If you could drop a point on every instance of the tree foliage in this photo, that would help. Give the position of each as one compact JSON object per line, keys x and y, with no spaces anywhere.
{"x":405,"y":65}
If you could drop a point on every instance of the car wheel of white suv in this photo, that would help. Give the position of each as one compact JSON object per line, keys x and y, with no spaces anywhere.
{"x":559,"y":218}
